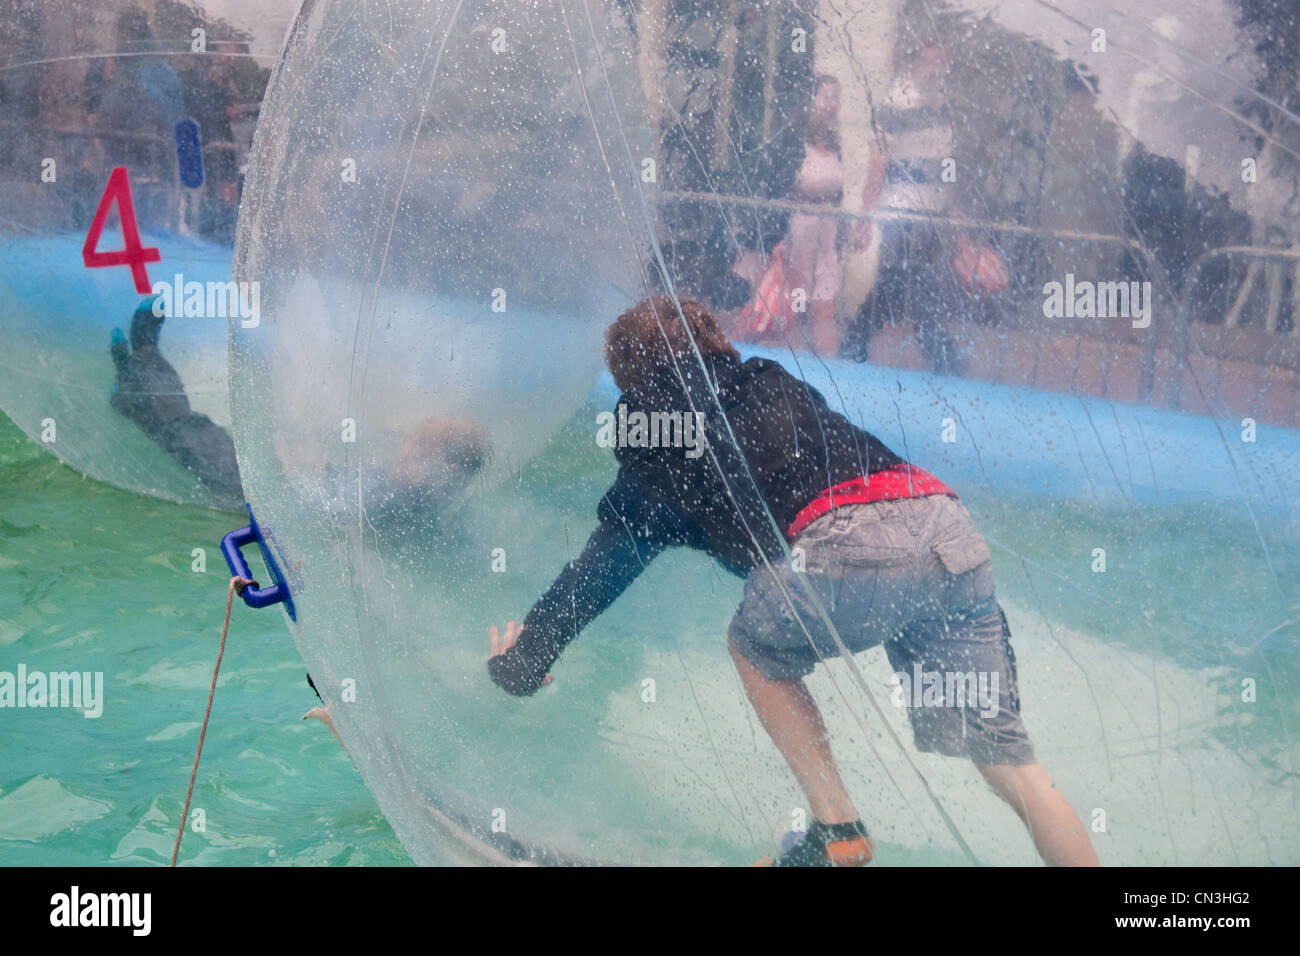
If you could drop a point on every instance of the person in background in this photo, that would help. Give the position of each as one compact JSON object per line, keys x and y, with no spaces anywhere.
{"x":735,"y":131}
{"x":807,"y":258}
{"x":150,"y":393}
{"x":134,"y":101}
{"x":439,"y":456}
{"x":926,"y":268}
{"x":887,"y":547}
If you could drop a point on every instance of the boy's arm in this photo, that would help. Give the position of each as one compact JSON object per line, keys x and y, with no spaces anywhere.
{"x":631,"y":533}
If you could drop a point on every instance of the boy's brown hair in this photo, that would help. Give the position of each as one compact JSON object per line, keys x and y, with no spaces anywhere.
{"x":648,"y":337}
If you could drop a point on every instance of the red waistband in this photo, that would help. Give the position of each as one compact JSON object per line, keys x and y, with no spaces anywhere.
{"x":902,"y":481}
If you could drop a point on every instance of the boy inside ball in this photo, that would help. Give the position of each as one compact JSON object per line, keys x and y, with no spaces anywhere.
{"x":888,"y":555}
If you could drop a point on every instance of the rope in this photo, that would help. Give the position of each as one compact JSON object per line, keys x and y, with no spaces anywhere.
{"x":237,"y":584}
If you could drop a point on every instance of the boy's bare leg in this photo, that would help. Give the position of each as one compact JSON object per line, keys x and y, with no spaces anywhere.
{"x":791,"y":718}
{"x":1057,"y":831}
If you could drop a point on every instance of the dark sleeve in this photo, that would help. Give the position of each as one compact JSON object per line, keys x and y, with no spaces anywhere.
{"x":633,"y":530}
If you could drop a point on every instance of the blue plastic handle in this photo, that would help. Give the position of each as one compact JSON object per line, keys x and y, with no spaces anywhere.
{"x":253,"y":596}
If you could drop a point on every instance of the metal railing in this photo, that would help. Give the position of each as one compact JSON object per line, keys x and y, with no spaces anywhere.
{"x":1182,"y":327}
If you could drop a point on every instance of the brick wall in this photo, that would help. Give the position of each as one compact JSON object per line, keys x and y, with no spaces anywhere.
{"x":1235,"y":372}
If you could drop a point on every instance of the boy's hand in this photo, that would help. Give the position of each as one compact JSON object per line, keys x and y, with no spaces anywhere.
{"x":500,"y":645}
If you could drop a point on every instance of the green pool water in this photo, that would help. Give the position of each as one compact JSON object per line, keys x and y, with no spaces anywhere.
{"x":96,"y":579}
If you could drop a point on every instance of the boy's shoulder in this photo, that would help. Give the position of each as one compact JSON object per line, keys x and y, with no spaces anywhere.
{"x":765,"y":372}
{"x":765,"y":381}
{"x":757,"y":365}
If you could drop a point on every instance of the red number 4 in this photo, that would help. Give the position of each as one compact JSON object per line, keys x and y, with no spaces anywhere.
{"x":134,"y":255}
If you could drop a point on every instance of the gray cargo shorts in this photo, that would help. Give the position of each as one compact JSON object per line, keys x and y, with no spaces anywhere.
{"x":912,"y":574}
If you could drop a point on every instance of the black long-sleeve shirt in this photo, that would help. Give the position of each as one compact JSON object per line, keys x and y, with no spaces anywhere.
{"x":772,"y":444}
